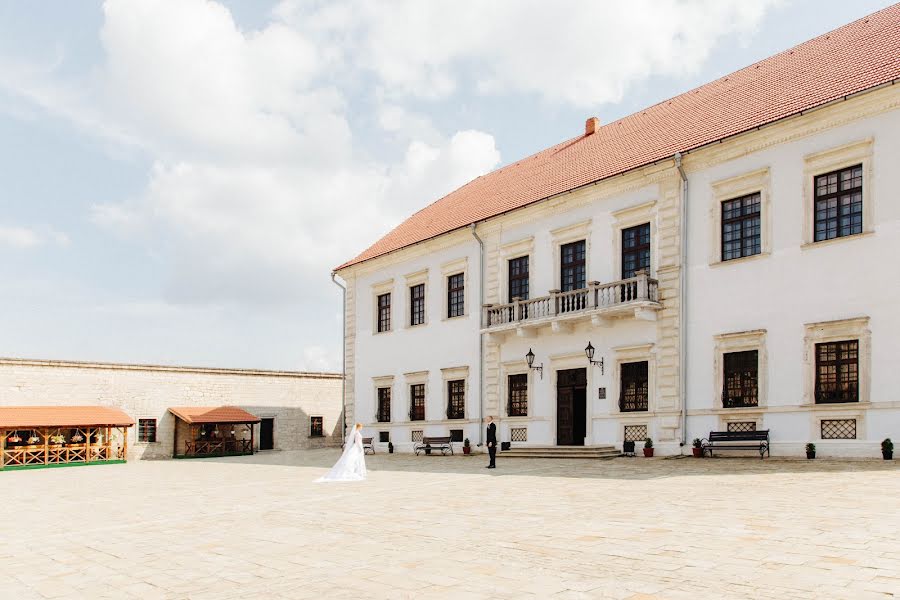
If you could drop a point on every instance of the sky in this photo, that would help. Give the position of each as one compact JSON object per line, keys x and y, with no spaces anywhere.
{"x":178,"y":178}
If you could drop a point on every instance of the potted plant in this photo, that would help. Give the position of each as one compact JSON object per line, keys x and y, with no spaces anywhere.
{"x":467,"y":449}
{"x":34,"y":440}
{"x":390,"y":447}
{"x":628,"y":447}
{"x":698,"y":448}
{"x":14,"y":438}
{"x":887,"y":449}
{"x":77,"y":438}
{"x":648,"y":447}
{"x":810,"y":451}
{"x":58,"y":439}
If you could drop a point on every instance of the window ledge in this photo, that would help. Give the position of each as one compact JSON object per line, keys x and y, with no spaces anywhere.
{"x":146,"y":443}
{"x":839,"y":406}
{"x":743,"y":259}
{"x":838,"y":240}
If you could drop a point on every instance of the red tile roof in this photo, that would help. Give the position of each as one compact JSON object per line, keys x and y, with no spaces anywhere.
{"x":855,"y":57}
{"x":32,"y":417}
{"x":213,"y":414}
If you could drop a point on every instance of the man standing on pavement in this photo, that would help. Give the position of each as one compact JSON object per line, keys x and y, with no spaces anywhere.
{"x":492,"y":442}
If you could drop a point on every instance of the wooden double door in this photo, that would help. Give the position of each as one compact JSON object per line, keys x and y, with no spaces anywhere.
{"x":571,"y":407}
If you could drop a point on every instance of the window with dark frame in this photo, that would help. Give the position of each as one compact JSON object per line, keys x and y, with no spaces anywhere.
{"x":417,"y":304}
{"x":740,"y":385}
{"x":384,"y":312}
{"x":384,"y":405}
{"x":837,"y":372}
{"x":384,"y":437}
{"x":838,"y":203}
{"x":517,"y":395}
{"x":417,"y":402}
{"x":316,"y":427}
{"x":635,"y":393}
{"x":635,"y":250}
{"x":456,"y":295}
{"x":456,"y":399}
{"x":147,"y":431}
{"x":572,"y":273}
{"x":518,"y":278}
{"x":456,"y":435}
{"x":741,"y":227}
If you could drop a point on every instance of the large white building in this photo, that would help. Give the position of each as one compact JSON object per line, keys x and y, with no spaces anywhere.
{"x":719,"y":251}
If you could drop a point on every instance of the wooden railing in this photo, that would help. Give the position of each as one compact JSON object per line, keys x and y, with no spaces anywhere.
{"x":213,"y":447}
{"x":639,"y":288}
{"x":57,"y":454}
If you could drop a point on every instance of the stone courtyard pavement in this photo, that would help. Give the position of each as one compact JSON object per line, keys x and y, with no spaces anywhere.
{"x":434,"y":527}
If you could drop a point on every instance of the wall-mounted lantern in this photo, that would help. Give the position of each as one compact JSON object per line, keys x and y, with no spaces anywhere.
{"x":589,"y":352}
{"x":529,"y":358}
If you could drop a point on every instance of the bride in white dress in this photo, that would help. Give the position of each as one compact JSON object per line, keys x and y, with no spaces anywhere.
{"x":351,"y":466}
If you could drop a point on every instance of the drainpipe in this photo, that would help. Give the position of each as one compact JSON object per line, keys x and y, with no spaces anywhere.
{"x":480,"y":337}
{"x":343,"y":355}
{"x":682,"y":301}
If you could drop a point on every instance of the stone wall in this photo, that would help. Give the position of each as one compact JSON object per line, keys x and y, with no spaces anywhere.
{"x":291,"y":398}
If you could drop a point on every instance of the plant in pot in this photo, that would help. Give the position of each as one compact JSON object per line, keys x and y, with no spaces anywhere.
{"x":390,"y":447}
{"x":648,"y":447}
{"x":14,"y":439}
{"x":810,"y":451}
{"x":467,"y":449}
{"x":887,"y":449}
{"x":697,"y":448}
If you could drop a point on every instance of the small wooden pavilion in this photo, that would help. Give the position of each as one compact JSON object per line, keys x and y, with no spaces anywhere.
{"x":202,"y":431}
{"x":54,"y":436}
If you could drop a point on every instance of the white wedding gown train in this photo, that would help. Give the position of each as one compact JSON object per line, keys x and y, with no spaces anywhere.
{"x":351,"y":466}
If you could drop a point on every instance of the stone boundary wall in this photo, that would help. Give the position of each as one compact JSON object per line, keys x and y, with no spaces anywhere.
{"x":147,"y":391}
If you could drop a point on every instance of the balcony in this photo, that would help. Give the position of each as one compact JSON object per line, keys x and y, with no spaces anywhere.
{"x":636,"y":297}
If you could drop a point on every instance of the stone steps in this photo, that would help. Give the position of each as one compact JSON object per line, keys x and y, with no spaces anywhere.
{"x":594,"y":452}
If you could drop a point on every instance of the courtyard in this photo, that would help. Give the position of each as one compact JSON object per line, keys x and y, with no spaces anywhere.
{"x":445,"y":527}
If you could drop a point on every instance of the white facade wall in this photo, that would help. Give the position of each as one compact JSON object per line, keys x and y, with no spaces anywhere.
{"x":148,"y":392}
{"x":781,"y":302}
{"x":799,"y":283}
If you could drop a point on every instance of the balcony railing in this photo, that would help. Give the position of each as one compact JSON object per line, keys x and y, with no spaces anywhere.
{"x":596,"y":297}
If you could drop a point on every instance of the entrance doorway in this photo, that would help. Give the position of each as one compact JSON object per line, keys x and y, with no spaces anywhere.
{"x":267,"y":434}
{"x":571,"y":407}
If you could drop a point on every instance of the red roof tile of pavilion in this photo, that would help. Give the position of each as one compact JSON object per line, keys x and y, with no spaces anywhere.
{"x":33,"y":417}
{"x":853,"y":58}
{"x":213,"y":414}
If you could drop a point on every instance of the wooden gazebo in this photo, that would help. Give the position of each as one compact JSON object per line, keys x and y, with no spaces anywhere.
{"x":212,"y":431}
{"x":53,"y":436}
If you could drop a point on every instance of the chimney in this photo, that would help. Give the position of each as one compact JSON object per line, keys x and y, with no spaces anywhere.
{"x":591,"y":125}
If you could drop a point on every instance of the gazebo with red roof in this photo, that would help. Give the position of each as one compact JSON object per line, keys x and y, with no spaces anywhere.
{"x":202,"y":431}
{"x":54,"y":436}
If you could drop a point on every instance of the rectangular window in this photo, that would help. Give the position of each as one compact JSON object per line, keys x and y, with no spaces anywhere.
{"x":417,"y":402}
{"x":456,"y":399}
{"x":635,"y":392}
{"x":740,"y":379}
{"x":518,"y":278}
{"x":416,"y":435}
{"x":316,"y":427}
{"x":635,"y":433}
{"x":384,"y":312}
{"x":741,"y":227}
{"x":417,"y":304}
{"x":838,"y":204}
{"x":147,"y":430}
{"x":384,"y":405}
{"x":384,"y":437}
{"x":838,"y":429}
{"x":837,"y":372}
{"x":456,"y":435}
{"x":572,"y":266}
{"x":517,"y":395}
{"x":635,"y":250}
{"x":456,"y":295}
{"x":741,"y":426}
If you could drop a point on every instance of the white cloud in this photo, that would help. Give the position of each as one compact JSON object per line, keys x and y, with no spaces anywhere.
{"x":24,"y":238}
{"x":580,"y":52}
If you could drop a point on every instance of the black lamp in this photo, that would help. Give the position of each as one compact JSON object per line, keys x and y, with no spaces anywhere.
{"x":589,"y":352}
{"x":529,"y":358}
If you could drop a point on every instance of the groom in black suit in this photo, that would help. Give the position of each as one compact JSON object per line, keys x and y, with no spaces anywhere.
{"x":492,"y":442}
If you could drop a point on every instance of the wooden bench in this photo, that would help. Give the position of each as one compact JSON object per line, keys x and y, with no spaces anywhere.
{"x":368,"y":445}
{"x":737,"y":440}
{"x":435,"y":443}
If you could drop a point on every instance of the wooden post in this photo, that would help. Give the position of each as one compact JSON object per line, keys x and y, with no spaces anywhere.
{"x":3,"y":448}
{"x":175,"y":438}
{"x":252,"y":445}
{"x":125,"y":446}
